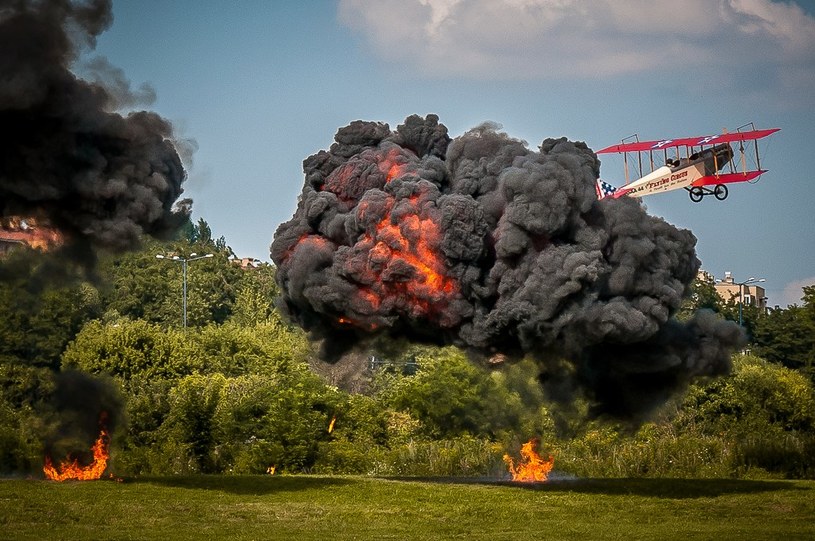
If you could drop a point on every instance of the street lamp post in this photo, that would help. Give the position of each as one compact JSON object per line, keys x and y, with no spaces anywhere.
{"x":184,"y":261}
{"x":741,"y":285}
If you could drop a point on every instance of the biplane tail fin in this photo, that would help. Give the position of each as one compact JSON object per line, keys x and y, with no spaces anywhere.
{"x":604,"y":189}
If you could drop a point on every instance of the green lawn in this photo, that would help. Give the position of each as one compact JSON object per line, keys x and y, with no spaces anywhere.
{"x":320,"y":508}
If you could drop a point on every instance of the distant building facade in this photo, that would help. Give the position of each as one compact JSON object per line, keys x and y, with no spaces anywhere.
{"x":247,"y":263}
{"x":728,"y":289}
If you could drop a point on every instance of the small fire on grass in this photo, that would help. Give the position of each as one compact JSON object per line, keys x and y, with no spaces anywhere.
{"x":532,"y":467}
{"x":71,"y":470}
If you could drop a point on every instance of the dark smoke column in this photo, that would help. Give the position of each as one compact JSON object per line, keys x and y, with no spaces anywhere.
{"x":102,"y":178}
{"x":485,"y":244}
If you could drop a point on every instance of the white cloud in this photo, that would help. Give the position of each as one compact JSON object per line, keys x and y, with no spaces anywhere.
{"x":793,"y":292}
{"x":727,"y":41}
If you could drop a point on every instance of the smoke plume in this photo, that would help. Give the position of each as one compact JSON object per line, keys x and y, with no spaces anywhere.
{"x":81,"y":404}
{"x":101,"y":178}
{"x":483,"y":243}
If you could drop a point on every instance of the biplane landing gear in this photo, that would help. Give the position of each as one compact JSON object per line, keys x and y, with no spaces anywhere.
{"x":697,"y":193}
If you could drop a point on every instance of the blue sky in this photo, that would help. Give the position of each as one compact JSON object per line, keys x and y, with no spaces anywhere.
{"x":261,"y":85}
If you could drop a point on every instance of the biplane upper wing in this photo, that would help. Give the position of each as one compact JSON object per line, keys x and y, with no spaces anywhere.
{"x":646,"y":146}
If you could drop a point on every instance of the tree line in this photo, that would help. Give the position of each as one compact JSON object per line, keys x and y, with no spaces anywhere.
{"x":240,"y":391}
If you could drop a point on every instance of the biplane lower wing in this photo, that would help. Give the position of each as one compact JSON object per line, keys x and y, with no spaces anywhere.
{"x":727,"y":178}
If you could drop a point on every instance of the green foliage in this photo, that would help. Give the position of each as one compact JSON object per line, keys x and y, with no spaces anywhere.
{"x":703,"y":295}
{"x":143,"y":447}
{"x":220,"y":398}
{"x":44,"y":302}
{"x":363,"y":431}
{"x":759,"y":396}
{"x":133,"y":349}
{"x":758,"y":422}
{"x":254,"y":303}
{"x":234,"y":394}
{"x":193,"y":401}
{"x":453,"y":397}
{"x":142,"y":286}
{"x":24,"y":415}
{"x":139,"y":286}
{"x":764,"y":412}
{"x":655,"y":450}
{"x":787,"y":336}
{"x":264,"y":348}
{"x":464,"y":456}
{"x":20,"y":445}
{"x":274,"y":421}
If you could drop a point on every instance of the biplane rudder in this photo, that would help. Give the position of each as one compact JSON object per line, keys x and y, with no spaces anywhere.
{"x":604,"y":189}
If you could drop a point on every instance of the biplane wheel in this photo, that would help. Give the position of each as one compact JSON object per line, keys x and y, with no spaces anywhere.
{"x":720,"y":191}
{"x":696,"y":194}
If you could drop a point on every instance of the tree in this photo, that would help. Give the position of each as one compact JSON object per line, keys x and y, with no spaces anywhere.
{"x":142,"y":286}
{"x":193,"y":402}
{"x":750,"y":315}
{"x":274,"y":420}
{"x":451,"y":396}
{"x":254,"y":302}
{"x":265,"y":348}
{"x":703,"y":296}
{"x":787,"y":336}
{"x":759,"y":398}
{"x":44,"y":300}
{"x":133,"y":350}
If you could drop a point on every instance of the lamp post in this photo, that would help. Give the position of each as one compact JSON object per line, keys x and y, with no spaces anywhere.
{"x":741,"y":285}
{"x":184,"y":261}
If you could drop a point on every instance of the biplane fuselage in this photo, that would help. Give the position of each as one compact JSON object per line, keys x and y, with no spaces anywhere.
{"x":686,"y":173}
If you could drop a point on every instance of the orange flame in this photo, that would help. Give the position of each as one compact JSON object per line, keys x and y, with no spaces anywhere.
{"x":411,"y":243}
{"x":532,"y":466}
{"x":71,"y":470}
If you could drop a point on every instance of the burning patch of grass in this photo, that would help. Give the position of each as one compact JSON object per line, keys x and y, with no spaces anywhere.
{"x":316,"y":507}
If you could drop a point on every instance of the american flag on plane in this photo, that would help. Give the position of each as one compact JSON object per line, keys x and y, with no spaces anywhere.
{"x":604,"y":189}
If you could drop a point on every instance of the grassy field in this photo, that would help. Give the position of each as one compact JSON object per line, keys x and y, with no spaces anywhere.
{"x":321,"y":508}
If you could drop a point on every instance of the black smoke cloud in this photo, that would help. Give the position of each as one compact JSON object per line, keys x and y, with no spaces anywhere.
{"x":524,"y":260}
{"x":66,"y":155}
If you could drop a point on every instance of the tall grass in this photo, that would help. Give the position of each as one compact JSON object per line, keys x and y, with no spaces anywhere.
{"x":465,"y":456}
{"x":667,"y":451}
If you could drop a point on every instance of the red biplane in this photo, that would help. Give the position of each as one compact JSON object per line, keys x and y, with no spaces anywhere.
{"x":701,"y":165}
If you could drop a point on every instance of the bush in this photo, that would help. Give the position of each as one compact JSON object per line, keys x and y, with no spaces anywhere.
{"x":349,"y":457}
{"x":132,"y":350}
{"x":758,"y":396}
{"x":757,"y":422}
{"x":21,"y":448}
